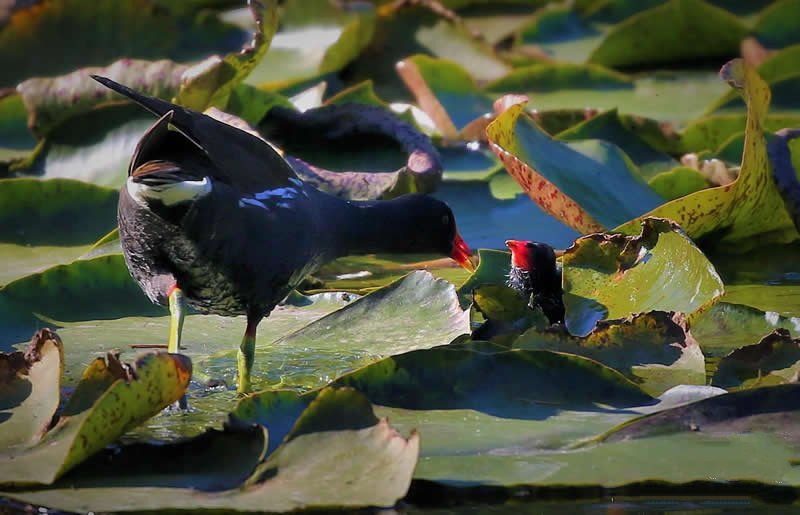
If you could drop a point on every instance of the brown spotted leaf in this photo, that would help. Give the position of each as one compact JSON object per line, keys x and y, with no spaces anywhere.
{"x":749,"y":211}
{"x":588,"y":185}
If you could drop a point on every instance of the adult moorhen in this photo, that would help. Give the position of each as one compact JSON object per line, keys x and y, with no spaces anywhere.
{"x":214,"y":217}
{"x":534,"y":274}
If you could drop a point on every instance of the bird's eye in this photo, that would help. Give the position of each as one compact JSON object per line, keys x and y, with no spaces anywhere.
{"x":446,"y":219}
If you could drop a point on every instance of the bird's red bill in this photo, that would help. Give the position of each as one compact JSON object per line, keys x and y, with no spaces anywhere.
{"x":461,"y":253}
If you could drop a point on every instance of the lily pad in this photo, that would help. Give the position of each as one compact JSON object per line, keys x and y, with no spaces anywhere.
{"x":755,"y":410}
{"x":104,"y":31}
{"x":361,"y":462}
{"x":418,"y":311}
{"x":609,"y":276}
{"x":553,"y":77}
{"x":777,"y":24}
{"x":678,"y":182}
{"x":71,"y":216}
{"x":558,"y":32}
{"x":669,"y":33}
{"x":30,"y":386}
{"x":110,"y":399}
{"x":587,"y":184}
{"x":608,"y":127}
{"x":773,"y":360}
{"x":655,"y":350}
{"x":749,"y":211}
{"x":445,"y":91}
{"x":315,"y":37}
{"x":405,"y":29}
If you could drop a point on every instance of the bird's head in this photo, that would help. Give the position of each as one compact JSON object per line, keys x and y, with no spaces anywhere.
{"x":432,"y":228}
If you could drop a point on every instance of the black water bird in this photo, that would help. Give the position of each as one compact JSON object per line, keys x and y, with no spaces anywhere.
{"x":535,"y":275}
{"x":213,"y":217}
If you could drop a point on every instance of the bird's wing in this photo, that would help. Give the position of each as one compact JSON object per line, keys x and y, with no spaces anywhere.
{"x":247,"y":163}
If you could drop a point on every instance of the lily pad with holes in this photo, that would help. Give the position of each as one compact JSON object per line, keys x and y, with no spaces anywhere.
{"x":609,"y":276}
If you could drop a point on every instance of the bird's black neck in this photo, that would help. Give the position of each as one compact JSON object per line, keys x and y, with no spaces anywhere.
{"x":377,"y":227}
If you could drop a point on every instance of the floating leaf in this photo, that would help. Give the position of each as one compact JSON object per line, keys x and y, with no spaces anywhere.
{"x":773,"y":360}
{"x":445,"y":91}
{"x":30,"y":388}
{"x":587,"y":185}
{"x":51,"y":100}
{"x":211,"y":83}
{"x":758,"y":409}
{"x":777,"y":24}
{"x":71,"y":215}
{"x":748,"y":211}
{"x":110,"y":399}
{"x":418,"y":311}
{"x":315,"y":37}
{"x":553,"y":77}
{"x":332,"y":137}
{"x":608,"y":127}
{"x":672,"y":32}
{"x":358,"y":461}
{"x":404,"y":30}
{"x":609,"y":276}
{"x":678,"y":182}
{"x":558,"y":32}
{"x":656,"y":350}
{"x":102,"y":32}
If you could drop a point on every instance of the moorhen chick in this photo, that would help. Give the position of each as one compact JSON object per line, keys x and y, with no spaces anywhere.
{"x":213,"y":217}
{"x":535,"y":276}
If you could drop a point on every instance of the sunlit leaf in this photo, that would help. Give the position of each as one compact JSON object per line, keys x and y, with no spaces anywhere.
{"x":773,"y":360}
{"x":655,"y":350}
{"x":748,"y":211}
{"x":30,"y":389}
{"x":110,"y":399}
{"x":587,"y":185}
{"x":672,"y":32}
{"x":609,"y":276}
{"x":357,"y":461}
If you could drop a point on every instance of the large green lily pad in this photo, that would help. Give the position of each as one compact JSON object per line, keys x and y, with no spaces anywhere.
{"x":608,"y":276}
{"x":359,"y":462}
{"x":675,"y":31}
{"x":71,"y":215}
{"x":656,"y":350}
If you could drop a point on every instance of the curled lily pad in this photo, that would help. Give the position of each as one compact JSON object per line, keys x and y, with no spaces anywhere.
{"x":30,"y":384}
{"x":211,"y":82}
{"x":588,"y":184}
{"x":354,"y":461}
{"x":656,"y":350}
{"x":51,"y":100}
{"x":608,"y":276}
{"x":348,"y":126}
{"x":748,"y":211}
{"x":111,"y":398}
{"x":773,"y":360}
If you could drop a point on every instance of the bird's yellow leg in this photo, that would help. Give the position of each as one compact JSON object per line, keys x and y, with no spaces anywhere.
{"x":177,"y":312}
{"x":246,"y":356}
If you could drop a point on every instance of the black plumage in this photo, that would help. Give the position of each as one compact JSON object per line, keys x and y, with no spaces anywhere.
{"x":214,"y":217}
{"x":535,"y":275}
